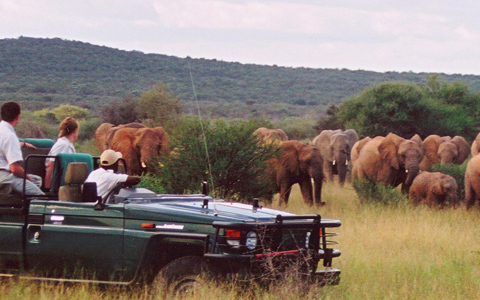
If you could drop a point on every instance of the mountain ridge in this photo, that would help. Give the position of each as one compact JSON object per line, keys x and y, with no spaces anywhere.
{"x":41,"y":72}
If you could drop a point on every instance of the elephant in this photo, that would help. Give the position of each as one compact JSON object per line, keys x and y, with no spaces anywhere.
{"x":269,"y":135}
{"x":444,"y":150}
{"x":472,"y":181}
{"x":104,"y":133}
{"x":335,"y":147}
{"x":390,"y":160}
{"x":297,"y":163}
{"x":475,"y":145}
{"x":140,"y":147}
{"x":357,"y":147}
{"x":434,"y":188}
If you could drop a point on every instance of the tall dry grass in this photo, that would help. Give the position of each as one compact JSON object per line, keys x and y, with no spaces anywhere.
{"x":401,"y":252}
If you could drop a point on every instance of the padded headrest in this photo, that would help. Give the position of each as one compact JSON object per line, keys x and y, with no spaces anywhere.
{"x":39,"y":143}
{"x":76,"y":173}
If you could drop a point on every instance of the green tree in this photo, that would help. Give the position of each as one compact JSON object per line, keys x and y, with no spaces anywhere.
{"x":226,"y":154}
{"x":159,"y":107}
{"x":389,"y":107}
{"x":329,"y":120}
{"x":66,"y":110}
{"x":121,"y":112}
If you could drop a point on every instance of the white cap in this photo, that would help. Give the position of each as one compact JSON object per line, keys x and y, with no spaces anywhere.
{"x":109,"y":157}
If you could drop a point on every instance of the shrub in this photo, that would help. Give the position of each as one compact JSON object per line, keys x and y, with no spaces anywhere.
{"x":120,"y":112}
{"x":153,"y":183}
{"x":66,"y":110}
{"x":88,"y":128}
{"x":369,"y":192}
{"x":226,"y":154}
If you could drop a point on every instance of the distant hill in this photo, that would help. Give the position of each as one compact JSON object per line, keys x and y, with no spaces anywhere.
{"x":43,"y":73}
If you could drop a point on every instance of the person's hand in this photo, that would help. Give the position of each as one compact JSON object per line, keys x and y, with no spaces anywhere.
{"x":28,"y":145}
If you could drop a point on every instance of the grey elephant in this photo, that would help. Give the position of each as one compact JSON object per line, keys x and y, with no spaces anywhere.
{"x":271,"y":135}
{"x":335,"y":147}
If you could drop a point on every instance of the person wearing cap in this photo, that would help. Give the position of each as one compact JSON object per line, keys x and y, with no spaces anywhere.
{"x":105,"y":176}
{"x":67,"y":135}
{"x":11,"y":158}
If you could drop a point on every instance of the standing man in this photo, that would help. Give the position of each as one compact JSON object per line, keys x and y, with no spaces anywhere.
{"x":11,"y":170}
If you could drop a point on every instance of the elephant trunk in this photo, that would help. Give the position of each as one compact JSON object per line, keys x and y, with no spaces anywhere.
{"x":316,"y":174}
{"x":342,"y":172}
{"x":412,"y":171}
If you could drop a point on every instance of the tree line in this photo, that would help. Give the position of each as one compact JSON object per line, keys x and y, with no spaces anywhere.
{"x":42,"y":73}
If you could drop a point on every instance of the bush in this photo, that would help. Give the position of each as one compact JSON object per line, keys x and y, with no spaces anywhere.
{"x":298,"y":128}
{"x":369,"y":192}
{"x":88,"y":128}
{"x":153,"y":183}
{"x":226,"y":154}
{"x":120,"y":112}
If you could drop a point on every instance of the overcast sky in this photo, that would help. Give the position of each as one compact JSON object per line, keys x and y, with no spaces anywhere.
{"x":419,"y":36}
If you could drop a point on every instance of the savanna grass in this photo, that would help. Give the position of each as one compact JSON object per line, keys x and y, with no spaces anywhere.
{"x":388,"y":252}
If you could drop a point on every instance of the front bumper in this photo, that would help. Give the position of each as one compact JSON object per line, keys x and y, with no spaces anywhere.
{"x":326,"y":277}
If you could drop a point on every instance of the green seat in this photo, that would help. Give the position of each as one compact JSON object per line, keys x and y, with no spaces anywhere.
{"x":61,"y":162}
{"x":36,"y":165}
{"x":39,"y":143}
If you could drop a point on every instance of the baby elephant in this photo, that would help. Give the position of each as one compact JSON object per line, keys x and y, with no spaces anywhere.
{"x":434,"y":188}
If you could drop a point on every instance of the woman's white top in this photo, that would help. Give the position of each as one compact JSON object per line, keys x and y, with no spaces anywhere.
{"x":62,"y":145}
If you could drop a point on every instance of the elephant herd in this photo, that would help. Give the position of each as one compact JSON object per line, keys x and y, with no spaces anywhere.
{"x":393,"y":160}
{"x":390,"y":160}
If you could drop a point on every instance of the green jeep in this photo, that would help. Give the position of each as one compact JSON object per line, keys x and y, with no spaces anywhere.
{"x":139,"y":237}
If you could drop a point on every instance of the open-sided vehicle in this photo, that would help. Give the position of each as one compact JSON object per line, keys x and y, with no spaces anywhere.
{"x":137,"y":236}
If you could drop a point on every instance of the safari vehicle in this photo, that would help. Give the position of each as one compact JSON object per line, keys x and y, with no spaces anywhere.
{"x":138,"y":237}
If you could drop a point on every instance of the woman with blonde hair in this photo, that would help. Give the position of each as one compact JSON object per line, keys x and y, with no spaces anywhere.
{"x":67,"y":135}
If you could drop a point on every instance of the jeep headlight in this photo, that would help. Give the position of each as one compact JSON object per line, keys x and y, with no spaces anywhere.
{"x":251,"y":240}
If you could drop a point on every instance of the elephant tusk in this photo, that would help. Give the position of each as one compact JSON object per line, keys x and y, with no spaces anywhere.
{"x":334,"y":162}
{"x":346,"y":162}
{"x":144,"y":165}
{"x":406,"y":171}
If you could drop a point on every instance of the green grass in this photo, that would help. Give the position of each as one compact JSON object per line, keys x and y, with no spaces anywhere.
{"x":388,"y":252}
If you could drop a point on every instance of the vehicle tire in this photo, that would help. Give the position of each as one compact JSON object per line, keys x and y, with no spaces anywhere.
{"x":182,"y":276}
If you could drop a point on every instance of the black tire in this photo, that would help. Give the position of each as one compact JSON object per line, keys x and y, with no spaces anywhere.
{"x":182,"y":276}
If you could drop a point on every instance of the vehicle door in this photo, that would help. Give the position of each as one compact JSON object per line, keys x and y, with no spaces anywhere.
{"x":77,"y":241}
{"x":12,"y":224}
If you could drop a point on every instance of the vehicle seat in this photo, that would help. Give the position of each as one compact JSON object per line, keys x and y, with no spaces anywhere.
{"x":75,"y":176}
{"x":36,"y":163}
{"x":61,"y":163}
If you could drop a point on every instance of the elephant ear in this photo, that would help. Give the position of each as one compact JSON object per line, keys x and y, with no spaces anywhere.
{"x":463,"y":149}
{"x":416,"y":138}
{"x":352,"y":136}
{"x":323,"y":142}
{"x":388,"y":149}
{"x":430,"y":145}
{"x":289,"y":157}
{"x":164,"y":140}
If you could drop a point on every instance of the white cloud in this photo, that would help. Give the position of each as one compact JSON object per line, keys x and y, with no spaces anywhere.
{"x":420,"y":35}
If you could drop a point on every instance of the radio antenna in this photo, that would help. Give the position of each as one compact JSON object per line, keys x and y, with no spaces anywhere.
{"x":201,"y":126}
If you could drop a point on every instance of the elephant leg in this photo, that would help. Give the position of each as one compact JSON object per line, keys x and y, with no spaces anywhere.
{"x":307,"y":191}
{"x":469,"y":194}
{"x":330,"y":171}
{"x":284,"y":194}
